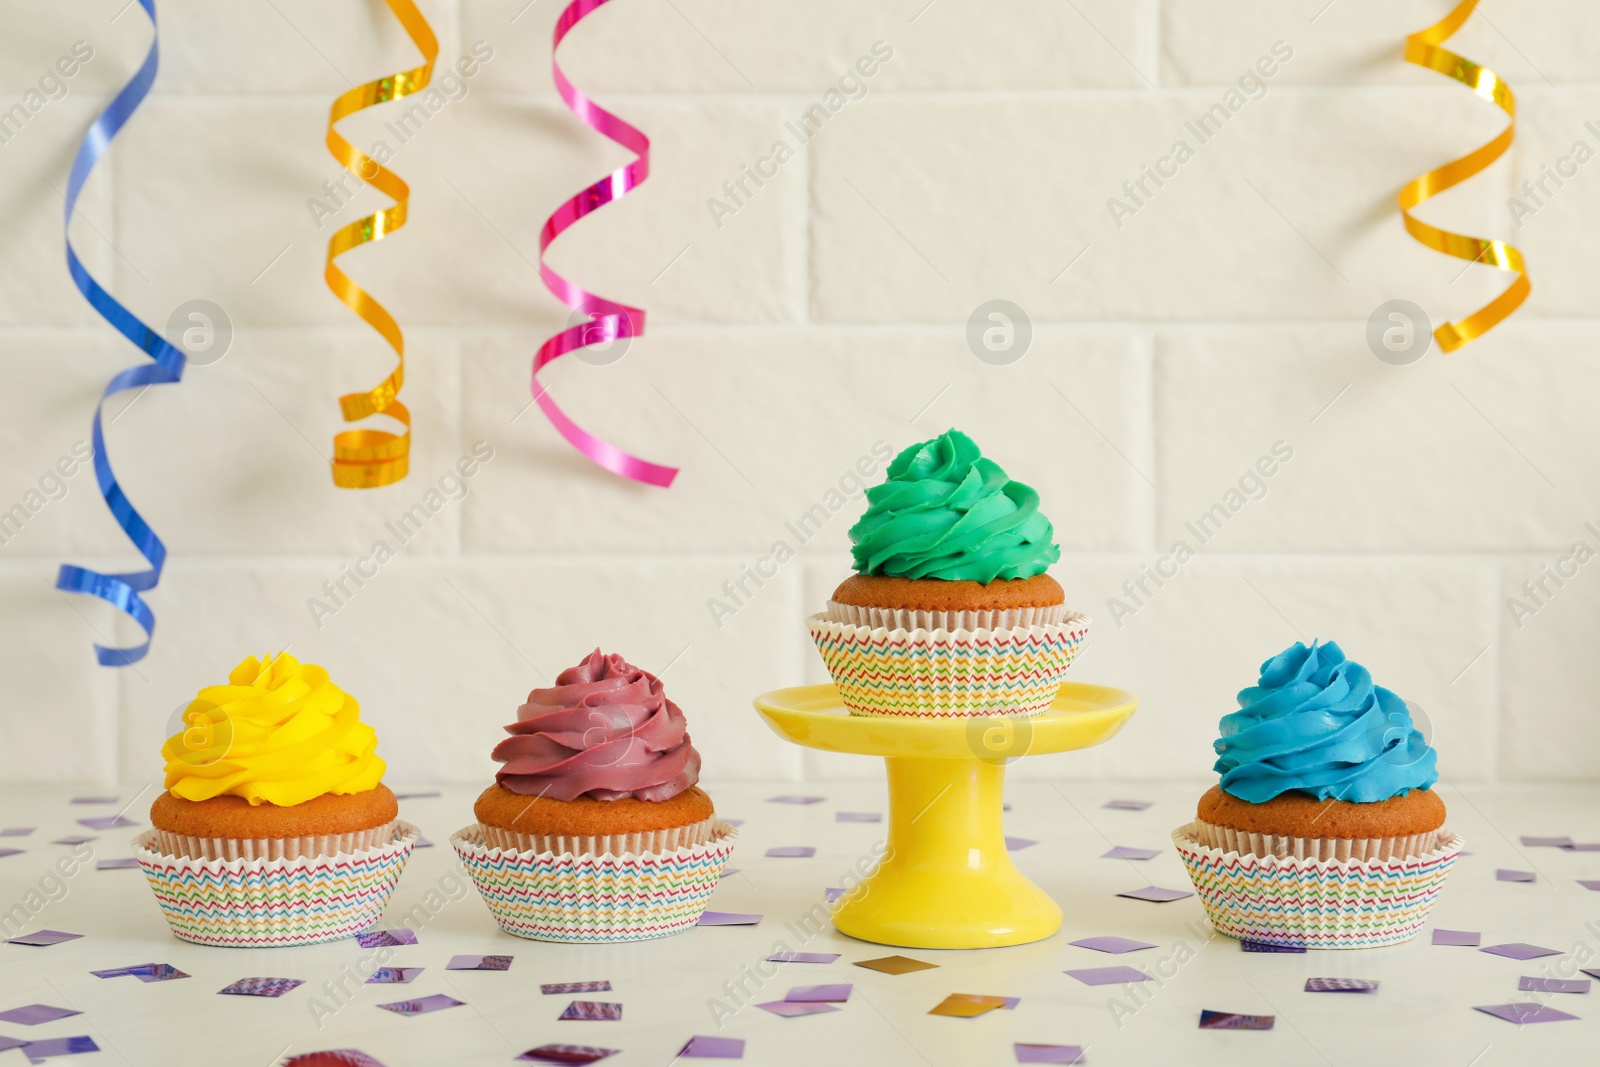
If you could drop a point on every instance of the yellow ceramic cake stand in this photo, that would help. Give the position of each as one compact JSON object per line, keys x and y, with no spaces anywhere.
{"x":946,"y":880}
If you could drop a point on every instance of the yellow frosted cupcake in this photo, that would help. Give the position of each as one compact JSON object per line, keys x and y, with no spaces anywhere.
{"x":274,"y":827}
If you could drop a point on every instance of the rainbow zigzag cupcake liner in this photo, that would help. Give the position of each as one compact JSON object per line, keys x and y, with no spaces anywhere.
{"x":1317,"y":903}
{"x":595,"y":898}
{"x":267,"y":903}
{"x":943,"y":674}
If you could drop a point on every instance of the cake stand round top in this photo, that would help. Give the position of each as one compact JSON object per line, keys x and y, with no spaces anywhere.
{"x":1081,"y":716}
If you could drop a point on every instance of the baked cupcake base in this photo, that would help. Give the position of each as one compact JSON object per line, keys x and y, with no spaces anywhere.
{"x":1300,"y":825}
{"x":521,"y":823}
{"x":259,"y":903}
{"x":1316,"y":903}
{"x":935,"y":604}
{"x":230,"y":827}
{"x":582,"y":897}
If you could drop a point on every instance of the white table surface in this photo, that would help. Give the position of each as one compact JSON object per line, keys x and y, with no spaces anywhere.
{"x":1422,"y":1014}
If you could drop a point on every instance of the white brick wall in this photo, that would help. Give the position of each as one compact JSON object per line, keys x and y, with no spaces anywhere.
{"x":825,"y":314}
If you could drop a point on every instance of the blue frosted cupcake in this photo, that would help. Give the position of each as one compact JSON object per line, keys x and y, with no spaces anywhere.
{"x":1324,"y":830}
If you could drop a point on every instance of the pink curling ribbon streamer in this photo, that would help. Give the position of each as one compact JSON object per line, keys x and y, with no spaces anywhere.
{"x":608,"y":320}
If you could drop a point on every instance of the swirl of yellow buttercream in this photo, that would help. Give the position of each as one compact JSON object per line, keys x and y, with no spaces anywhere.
{"x":279,"y":733}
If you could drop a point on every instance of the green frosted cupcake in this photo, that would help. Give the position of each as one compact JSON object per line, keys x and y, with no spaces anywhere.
{"x":950,"y":612}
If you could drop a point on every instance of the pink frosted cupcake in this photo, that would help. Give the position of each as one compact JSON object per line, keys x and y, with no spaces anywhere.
{"x":595,"y":829}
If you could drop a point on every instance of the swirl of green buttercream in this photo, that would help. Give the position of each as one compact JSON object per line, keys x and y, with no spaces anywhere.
{"x":947,"y":512}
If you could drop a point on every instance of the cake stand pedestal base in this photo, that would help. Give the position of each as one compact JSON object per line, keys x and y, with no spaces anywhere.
{"x":946,"y":879}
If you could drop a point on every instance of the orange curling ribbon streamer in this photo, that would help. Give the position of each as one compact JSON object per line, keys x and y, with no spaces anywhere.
{"x":1423,"y":49}
{"x":366,"y":459}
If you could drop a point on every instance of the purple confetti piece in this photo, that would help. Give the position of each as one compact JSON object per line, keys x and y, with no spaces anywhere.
{"x":1011,"y":1003}
{"x":479,"y":963}
{"x":803,"y":957}
{"x":1587,"y":846}
{"x":835,"y":993}
{"x":1341,"y":985}
{"x":1528,"y":984}
{"x":1017,"y":844}
{"x":74,"y":839}
{"x":1225,"y":1020}
{"x":858,"y":816}
{"x":727,"y":872}
{"x":417,"y":796}
{"x":1123,"y":852}
{"x":342,"y":1057}
{"x":592,"y":1011}
{"x":39,"y":1051}
{"x":157,"y":972}
{"x":795,"y":800}
{"x":9,"y":1043}
{"x":107,"y":822}
{"x":118,"y":863}
{"x":798,"y":852}
{"x":93,"y":800}
{"x":1156,"y":894}
{"x":17,"y":831}
{"x":261,"y":987}
{"x":1546,"y":842}
{"x":727,"y":918}
{"x":1109,"y":975}
{"x":1505,"y":875}
{"x":832,"y":893}
{"x":790,"y":1009}
{"x":1125,"y":805}
{"x":734,"y":822}
{"x":394,"y":975}
{"x":1523,"y":1013}
{"x":579,"y":1054}
{"x":1068,"y":1054}
{"x":1590,"y":884}
{"x":1467,"y":938}
{"x":386,"y":938}
{"x":422,"y":842}
{"x":1247,"y":945}
{"x":1518,"y":950}
{"x":1112,"y":944}
{"x":552,"y":988}
{"x":10,"y":852}
{"x":1005,"y":806}
{"x":1592,"y":972}
{"x":713,"y":1048}
{"x":43,"y":937}
{"x":423,"y":1005}
{"x":34,"y":1014}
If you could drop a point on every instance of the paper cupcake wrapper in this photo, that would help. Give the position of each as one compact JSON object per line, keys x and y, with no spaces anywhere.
{"x":947,"y":674}
{"x":1315,"y":903}
{"x":595,"y":898}
{"x":902,"y":619}
{"x":228,"y":848}
{"x":240,"y":903}
{"x":1314,"y":848}
{"x":668,"y":840}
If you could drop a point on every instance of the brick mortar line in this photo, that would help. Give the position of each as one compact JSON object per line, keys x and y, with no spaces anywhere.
{"x":790,"y":97}
{"x":798,"y":329}
{"x":219,"y":562}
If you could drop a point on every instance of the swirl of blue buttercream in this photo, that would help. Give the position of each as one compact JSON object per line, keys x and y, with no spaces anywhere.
{"x":1315,"y":723}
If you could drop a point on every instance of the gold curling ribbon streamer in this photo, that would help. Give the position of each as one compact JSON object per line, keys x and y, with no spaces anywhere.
{"x":1423,"y":49}
{"x":365,"y":459}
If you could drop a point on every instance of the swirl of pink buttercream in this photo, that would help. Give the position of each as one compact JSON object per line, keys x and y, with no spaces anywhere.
{"x":605,"y":730}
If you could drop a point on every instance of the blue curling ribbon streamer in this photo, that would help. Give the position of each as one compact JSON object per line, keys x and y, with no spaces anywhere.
{"x":120,"y":590}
